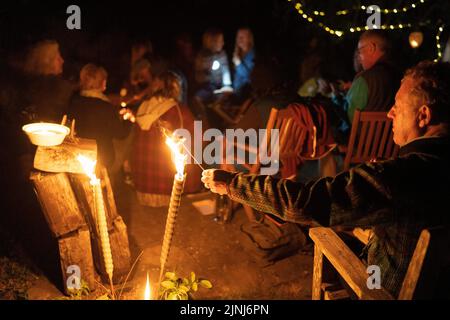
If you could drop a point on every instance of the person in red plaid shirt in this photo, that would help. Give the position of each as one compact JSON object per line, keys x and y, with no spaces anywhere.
{"x":151,"y":165}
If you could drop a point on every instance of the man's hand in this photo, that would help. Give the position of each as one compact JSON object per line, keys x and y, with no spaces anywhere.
{"x":215,"y":180}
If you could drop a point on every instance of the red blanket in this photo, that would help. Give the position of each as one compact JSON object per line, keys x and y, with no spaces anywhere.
{"x":317,"y":139}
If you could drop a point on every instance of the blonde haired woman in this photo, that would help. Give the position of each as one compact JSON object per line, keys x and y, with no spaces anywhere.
{"x":47,"y":93}
{"x":44,"y":58}
{"x":243,"y":60}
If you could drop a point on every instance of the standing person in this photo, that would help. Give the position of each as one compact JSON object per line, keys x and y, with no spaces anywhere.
{"x":212,"y":72}
{"x":47,"y":94}
{"x":96,"y":118}
{"x":151,"y":167}
{"x":398,"y":197}
{"x":244,"y":62}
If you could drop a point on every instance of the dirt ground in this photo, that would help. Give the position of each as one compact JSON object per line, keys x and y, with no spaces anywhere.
{"x":213,"y":251}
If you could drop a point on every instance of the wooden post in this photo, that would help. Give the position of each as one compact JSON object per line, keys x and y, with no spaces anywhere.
{"x":60,"y":208}
{"x":118,"y":235}
{"x":317,"y":273}
{"x":63,"y":158}
{"x":67,"y":224}
{"x":66,"y":198}
{"x":74,"y":250}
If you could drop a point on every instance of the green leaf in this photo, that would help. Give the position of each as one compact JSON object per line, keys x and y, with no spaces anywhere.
{"x":194,"y":286}
{"x":206,"y":284}
{"x":168,"y":284}
{"x":192,"y":277}
{"x":183,"y":296}
{"x":172,"y":296}
{"x":171,"y":276}
{"x":183,"y":288}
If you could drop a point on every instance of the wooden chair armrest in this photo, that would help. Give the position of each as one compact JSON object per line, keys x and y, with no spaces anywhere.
{"x":362,"y":235}
{"x":346,"y":263}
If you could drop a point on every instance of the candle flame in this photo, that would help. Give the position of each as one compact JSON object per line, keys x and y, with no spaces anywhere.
{"x":176,"y":146}
{"x":147,"y":293}
{"x":88,"y":166}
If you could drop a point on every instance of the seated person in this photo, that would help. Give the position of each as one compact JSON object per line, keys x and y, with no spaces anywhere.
{"x":398,"y":198}
{"x":212,"y":72}
{"x":96,"y":118}
{"x":374,"y":88}
{"x":244,"y":62}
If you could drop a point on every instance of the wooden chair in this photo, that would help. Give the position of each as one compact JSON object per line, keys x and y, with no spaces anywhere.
{"x":371,"y":137}
{"x":420,"y":280}
{"x":290,"y":137}
{"x":234,"y":115}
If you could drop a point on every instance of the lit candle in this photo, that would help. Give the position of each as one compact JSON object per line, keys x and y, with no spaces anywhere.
{"x":147,"y":292}
{"x":89,"y":168}
{"x":175,"y":199}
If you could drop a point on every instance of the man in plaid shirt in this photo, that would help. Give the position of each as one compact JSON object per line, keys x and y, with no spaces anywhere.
{"x":396,"y":197}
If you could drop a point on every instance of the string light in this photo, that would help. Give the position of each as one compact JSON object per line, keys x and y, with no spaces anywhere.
{"x":438,"y":43}
{"x":340,"y":33}
{"x":385,"y":11}
{"x":310,"y":19}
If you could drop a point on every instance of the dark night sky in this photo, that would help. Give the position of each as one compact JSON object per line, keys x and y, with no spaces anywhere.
{"x":109,"y":27}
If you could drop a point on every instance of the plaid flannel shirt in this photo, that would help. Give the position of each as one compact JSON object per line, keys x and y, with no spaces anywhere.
{"x":397,"y":197}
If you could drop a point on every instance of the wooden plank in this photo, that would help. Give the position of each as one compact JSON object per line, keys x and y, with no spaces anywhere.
{"x":118,"y":235}
{"x":63,"y":158}
{"x":352,"y":140}
{"x":75,"y":250}
{"x":317,"y":273}
{"x":60,"y":208}
{"x":362,"y":235}
{"x":369,"y":140}
{"x":386,"y":133}
{"x":346,"y":263}
{"x":120,"y":250}
{"x":362,"y":141}
{"x":415,"y":267}
{"x":377,"y":137}
{"x":336,"y":295}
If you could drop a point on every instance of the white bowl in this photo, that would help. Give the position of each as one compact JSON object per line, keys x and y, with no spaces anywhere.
{"x":46,"y":134}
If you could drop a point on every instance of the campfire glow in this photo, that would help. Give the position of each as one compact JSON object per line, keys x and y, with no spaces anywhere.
{"x":147,"y":292}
